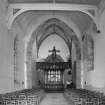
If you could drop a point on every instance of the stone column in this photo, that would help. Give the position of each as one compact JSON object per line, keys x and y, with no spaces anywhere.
{"x":33,"y":65}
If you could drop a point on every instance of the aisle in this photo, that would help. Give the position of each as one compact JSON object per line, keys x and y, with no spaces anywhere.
{"x":54,"y":99}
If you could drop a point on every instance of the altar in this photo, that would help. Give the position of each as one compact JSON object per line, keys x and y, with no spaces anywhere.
{"x":53,"y":67}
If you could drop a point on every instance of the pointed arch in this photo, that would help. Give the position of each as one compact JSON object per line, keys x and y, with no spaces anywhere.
{"x":40,"y":35}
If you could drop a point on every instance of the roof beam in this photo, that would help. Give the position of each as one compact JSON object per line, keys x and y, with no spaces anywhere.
{"x":51,"y":6}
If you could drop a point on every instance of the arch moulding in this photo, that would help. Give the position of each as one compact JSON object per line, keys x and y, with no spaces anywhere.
{"x":17,"y":9}
{"x":37,"y":32}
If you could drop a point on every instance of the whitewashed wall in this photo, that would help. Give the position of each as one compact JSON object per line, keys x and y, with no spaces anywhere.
{"x":6,"y":52}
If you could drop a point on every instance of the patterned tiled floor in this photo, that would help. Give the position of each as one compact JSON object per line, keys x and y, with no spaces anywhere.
{"x":55,"y":99}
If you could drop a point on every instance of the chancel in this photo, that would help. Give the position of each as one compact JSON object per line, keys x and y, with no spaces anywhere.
{"x":53,"y":67}
{"x":52,"y":52}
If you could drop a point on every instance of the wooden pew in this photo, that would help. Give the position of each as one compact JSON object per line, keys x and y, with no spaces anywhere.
{"x":85,"y":97}
{"x":24,"y":97}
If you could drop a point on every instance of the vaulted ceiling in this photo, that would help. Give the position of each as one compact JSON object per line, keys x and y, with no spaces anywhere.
{"x":80,"y":19}
{"x":91,"y":2}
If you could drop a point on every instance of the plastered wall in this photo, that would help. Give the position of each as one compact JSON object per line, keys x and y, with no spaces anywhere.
{"x":6,"y":52}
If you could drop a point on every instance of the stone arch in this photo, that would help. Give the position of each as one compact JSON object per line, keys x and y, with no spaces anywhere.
{"x":38,"y":36}
{"x":21,"y":11}
{"x":58,"y":27}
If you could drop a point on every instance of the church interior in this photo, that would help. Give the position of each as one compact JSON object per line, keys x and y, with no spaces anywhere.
{"x":52,"y":52}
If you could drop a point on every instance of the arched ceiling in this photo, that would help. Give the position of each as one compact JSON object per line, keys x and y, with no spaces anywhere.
{"x":38,"y":34}
{"x":81,"y":20}
{"x":54,"y":29}
{"x":91,"y":2}
{"x":54,"y":26}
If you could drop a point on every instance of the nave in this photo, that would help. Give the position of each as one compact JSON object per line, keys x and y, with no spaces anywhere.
{"x":40,"y":97}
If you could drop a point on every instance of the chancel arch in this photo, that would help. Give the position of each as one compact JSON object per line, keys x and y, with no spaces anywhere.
{"x":40,"y":34}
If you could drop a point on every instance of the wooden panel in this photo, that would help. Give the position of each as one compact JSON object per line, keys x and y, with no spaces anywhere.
{"x":57,"y":65}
